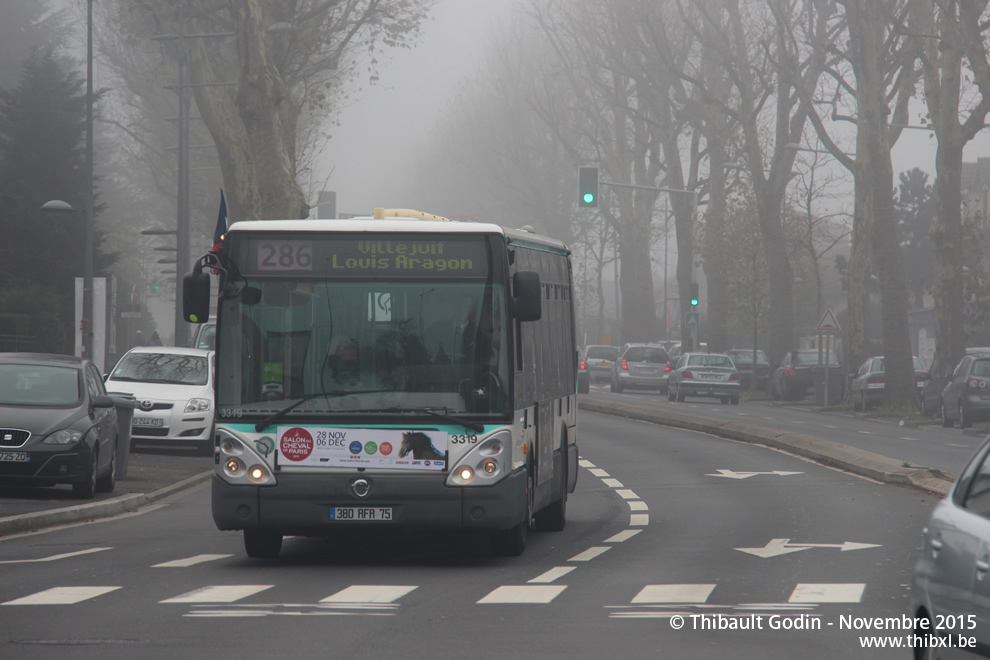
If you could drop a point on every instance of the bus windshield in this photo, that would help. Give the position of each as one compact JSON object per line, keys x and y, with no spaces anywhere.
{"x":364,"y":343}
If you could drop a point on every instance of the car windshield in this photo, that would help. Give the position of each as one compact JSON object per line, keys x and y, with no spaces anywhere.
{"x":22,"y":384}
{"x":168,"y":368}
{"x":746,"y":357}
{"x":645,"y":354}
{"x":602,"y":352}
{"x":710,"y":361}
{"x":811,"y":357}
{"x":918,"y":364}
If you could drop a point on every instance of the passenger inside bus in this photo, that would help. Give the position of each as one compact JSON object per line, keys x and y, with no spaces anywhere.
{"x":345,"y":370}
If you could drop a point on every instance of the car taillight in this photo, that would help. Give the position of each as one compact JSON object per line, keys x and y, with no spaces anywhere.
{"x":789,"y":372}
{"x":624,"y":365}
{"x":976,"y":383}
{"x":874,"y":381}
{"x":734,"y":376}
{"x":667,"y":368}
{"x":687,"y":374}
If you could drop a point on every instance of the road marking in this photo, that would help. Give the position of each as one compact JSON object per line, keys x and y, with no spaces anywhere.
{"x":190,"y":561}
{"x":552,"y":574}
{"x":219,"y":593}
{"x":627,"y":494}
{"x":586,"y":463}
{"x":729,"y":474}
{"x":637,"y":505}
{"x":522,"y":594}
{"x":830,"y":426}
{"x":639,"y":520}
{"x":612,"y":483}
{"x":598,"y":472}
{"x":362,"y":593}
{"x":674,"y":593}
{"x":55,"y":557}
{"x":623,"y":536}
{"x":867,"y":432}
{"x":827,"y":593}
{"x":62,"y":596}
{"x":778,"y":547}
{"x":590,"y":553}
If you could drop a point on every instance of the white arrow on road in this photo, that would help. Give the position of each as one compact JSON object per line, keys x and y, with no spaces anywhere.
{"x":729,"y":474}
{"x":784,"y":546}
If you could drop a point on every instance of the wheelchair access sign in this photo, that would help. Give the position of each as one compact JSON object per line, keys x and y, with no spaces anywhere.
{"x":692,"y":319}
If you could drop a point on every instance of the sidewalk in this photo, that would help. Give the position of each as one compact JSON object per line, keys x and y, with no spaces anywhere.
{"x":152,"y":474}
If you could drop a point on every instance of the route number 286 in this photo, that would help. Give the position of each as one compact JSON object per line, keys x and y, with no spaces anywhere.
{"x":285,"y":255}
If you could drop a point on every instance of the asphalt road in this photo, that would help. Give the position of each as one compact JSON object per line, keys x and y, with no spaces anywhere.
{"x":657,"y":536}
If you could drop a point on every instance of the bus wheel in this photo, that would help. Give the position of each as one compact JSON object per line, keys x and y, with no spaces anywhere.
{"x":261,"y":544}
{"x":512,"y":542}
{"x":554,"y":517}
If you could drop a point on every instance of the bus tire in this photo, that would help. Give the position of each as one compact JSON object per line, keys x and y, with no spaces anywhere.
{"x":554,"y":517}
{"x":512,"y":542}
{"x":260,"y":544}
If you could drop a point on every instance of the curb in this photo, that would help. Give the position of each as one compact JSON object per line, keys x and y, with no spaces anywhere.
{"x":833,"y":454}
{"x":29,"y":522}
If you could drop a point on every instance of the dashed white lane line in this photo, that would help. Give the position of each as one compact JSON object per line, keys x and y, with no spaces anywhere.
{"x":586,"y":463}
{"x":867,"y":432}
{"x":623,"y":536}
{"x":590,"y":553}
{"x":827,"y":593}
{"x":627,"y":494}
{"x":639,"y":520}
{"x":637,"y":505}
{"x":674,"y":593}
{"x":552,"y":574}
{"x":62,"y":596}
{"x":598,"y":472}
{"x":64,"y":555}
{"x":612,"y":483}
{"x":190,"y":561}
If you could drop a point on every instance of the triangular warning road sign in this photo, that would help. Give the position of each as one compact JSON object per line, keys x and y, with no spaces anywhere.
{"x":828,"y":322}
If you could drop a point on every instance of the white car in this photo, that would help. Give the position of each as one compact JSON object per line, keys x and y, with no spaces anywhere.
{"x":174,"y":391}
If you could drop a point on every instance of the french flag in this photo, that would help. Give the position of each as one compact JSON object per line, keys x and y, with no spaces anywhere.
{"x":221,"y":224}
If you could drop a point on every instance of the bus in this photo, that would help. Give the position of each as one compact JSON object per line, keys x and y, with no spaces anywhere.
{"x":399,"y":370}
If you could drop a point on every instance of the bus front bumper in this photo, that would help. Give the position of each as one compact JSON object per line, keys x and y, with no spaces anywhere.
{"x":300,"y":504}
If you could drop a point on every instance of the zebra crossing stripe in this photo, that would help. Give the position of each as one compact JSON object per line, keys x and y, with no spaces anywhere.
{"x":363,"y":593}
{"x":190,"y":561}
{"x":674,"y":593}
{"x":522,"y":594}
{"x":827,"y":593}
{"x":227,"y":593}
{"x":62,"y":596}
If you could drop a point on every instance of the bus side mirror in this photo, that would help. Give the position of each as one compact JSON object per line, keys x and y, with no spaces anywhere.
{"x":196,"y":297}
{"x":527,"y":299}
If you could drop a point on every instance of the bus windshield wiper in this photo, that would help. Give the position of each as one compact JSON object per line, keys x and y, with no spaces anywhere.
{"x":275,"y":416}
{"x":474,"y":426}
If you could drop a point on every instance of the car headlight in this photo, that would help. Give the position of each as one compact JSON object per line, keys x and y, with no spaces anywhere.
{"x":198,"y":405}
{"x":63,"y":437}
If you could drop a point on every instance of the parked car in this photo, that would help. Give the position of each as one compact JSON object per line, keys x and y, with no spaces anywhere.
{"x":58,"y":425}
{"x":966,"y":397}
{"x":931,"y":392}
{"x":950,"y":589}
{"x":867,"y":385}
{"x":206,"y":336}
{"x":704,"y":375}
{"x":174,"y":390}
{"x":596,"y":365}
{"x":793,"y":378}
{"x":743,"y":359}
{"x":642,"y":366}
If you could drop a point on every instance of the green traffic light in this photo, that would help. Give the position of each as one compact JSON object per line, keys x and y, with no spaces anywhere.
{"x":694,"y":302}
{"x":588,"y":198}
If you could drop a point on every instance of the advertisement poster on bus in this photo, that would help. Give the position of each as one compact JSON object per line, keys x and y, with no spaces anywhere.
{"x":307,"y":446}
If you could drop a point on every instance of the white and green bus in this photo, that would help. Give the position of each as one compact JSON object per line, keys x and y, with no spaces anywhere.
{"x":398,"y":370}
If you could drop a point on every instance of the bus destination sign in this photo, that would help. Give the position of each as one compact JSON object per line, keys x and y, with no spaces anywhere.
{"x":350,"y":257}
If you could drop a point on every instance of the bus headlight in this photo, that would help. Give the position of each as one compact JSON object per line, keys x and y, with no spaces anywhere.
{"x":482,"y":466}
{"x":240,"y":465}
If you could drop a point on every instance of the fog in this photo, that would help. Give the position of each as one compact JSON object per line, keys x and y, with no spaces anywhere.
{"x":375,"y":146}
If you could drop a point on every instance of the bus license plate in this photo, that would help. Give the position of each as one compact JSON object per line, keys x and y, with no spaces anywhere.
{"x":361,"y":513}
{"x":14,"y":456}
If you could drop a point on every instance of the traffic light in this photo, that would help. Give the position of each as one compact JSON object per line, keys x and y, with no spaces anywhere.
{"x":694,"y":294}
{"x":588,"y":187}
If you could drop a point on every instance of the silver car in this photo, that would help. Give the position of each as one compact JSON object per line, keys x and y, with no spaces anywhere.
{"x":641,"y":365}
{"x":711,"y":375}
{"x":951,"y":586}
